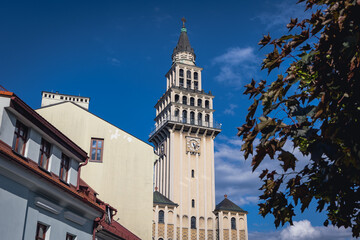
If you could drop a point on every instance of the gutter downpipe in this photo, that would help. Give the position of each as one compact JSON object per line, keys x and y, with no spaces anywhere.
{"x":79,"y":171}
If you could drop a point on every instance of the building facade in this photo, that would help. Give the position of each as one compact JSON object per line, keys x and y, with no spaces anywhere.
{"x":120,"y":165}
{"x":41,"y":193}
{"x":184,"y":140}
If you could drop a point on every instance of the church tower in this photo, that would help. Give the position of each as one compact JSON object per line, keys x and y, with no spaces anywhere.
{"x":184,"y":178}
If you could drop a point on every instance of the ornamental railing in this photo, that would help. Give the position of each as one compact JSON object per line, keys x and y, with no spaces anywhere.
{"x":189,"y":121}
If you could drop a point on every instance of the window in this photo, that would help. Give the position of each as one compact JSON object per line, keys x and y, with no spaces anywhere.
{"x":188,"y":83}
{"x":181,"y":73}
{"x":199,"y":103}
{"x":192,"y":173}
{"x":188,"y":74}
{"x":195,"y":76}
{"x":61,"y":97}
{"x":193,"y":222}
{"x":20,"y":136}
{"x":184,"y":100}
{"x":233,"y":223}
{"x":45,"y":95}
{"x":207,"y":120}
{"x":206,"y":104}
{"x":70,"y":237}
{"x":184,"y":116}
{"x":96,"y":150}
{"x":44,"y":156}
{"x":192,"y":101}
{"x":177,"y":98}
{"x":193,"y":203}
{"x":64,"y":167}
{"x":181,"y":82}
{"x":196,"y":85}
{"x":192,"y":118}
{"x":177,"y":115}
{"x":200,"y":119}
{"x":161,"y":216}
{"x":41,"y":230}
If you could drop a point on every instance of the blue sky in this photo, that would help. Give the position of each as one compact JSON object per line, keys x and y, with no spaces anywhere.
{"x":117,"y":53}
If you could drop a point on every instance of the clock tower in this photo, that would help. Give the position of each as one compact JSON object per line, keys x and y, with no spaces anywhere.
{"x":184,"y":140}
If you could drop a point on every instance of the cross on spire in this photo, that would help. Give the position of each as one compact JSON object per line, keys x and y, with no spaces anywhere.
{"x":184,"y":21}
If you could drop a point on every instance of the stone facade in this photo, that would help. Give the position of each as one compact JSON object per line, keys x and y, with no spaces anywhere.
{"x":184,"y":141}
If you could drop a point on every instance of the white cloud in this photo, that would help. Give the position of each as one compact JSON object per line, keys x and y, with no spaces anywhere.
{"x":300,"y":230}
{"x":234,"y":175}
{"x":235,"y":65}
{"x":114,"y":61}
{"x":303,"y":230}
{"x":230,"y":109}
{"x":281,"y":14}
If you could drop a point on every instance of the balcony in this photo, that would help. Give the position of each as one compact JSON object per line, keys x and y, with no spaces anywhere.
{"x":186,"y":121}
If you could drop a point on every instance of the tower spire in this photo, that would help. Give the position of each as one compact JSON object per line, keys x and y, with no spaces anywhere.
{"x":183,"y":44}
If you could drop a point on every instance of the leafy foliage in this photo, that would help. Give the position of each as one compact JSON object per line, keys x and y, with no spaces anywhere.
{"x":318,"y":98}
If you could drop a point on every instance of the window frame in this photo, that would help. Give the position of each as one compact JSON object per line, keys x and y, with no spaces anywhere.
{"x":45,"y":229}
{"x":233,"y":223}
{"x":46,"y":153}
{"x":17,"y":136}
{"x":193,"y":222}
{"x":70,"y":236}
{"x":64,"y":165}
{"x":161,"y":216}
{"x":96,"y":148}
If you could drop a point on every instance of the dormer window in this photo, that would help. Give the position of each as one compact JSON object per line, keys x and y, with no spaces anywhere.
{"x":44,"y":156}
{"x":64,"y":168}
{"x":20,"y":137}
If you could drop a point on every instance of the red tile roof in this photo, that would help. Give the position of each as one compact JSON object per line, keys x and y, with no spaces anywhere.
{"x":119,"y":230}
{"x":7,"y":152}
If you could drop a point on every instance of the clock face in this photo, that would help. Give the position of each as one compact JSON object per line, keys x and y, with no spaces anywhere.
{"x":193,"y":145}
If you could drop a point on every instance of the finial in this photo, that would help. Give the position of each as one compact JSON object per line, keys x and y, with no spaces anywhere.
{"x":225,"y":195}
{"x":184,"y":21}
{"x":156,"y":188}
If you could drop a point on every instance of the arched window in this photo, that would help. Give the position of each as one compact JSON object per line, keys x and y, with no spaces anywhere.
{"x":177,"y":115}
{"x":192,"y":173}
{"x":233,"y":223}
{"x":206,"y":104}
{"x":192,"y":118}
{"x":188,"y":74}
{"x":200,"y":119}
{"x":192,"y":101}
{"x":193,"y":222}
{"x":184,"y":116}
{"x":161,"y":239}
{"x":207,"y":120}
{"x":193,"y":203}
{"x":199,"y":102}
{"x":195,"y":76}
{"x":181,"y":73}
{"x":177,"y":97}
{"x":184,"y":100}
{"x":161,"y":216}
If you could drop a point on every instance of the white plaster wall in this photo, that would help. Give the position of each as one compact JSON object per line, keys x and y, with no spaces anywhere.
{"x":124,"y":178}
